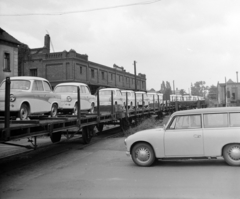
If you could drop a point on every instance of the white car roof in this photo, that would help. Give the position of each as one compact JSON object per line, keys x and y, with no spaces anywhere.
{"x":27,"y":78}
{"x":152,"y":93}
{"x":109,"y":89}
{"x":129,"y":91}
{"x":208,"y":110}
{"x":71,"y":84}
{"x":140,"y":92}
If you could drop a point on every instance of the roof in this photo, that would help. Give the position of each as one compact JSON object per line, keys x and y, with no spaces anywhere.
{"x":109,"y":89}
{"x":208,"y":110}
{"x":7,"y":37}
{"x":27,"y":78}
{"x":127,"y":91}
{"x":71,"y":84}
{"x":140,"y":92}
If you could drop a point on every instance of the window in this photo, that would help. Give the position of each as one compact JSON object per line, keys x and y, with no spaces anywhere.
{"x":33,"y":72}
{"x":92,"y":73}
{"x":228,"y":94}
{"x":111,"y":76}
{"x":215,"y":120}
{"x":80,"y":69}
{"x":82,"y":88}
{"x":6,"y":63}
{"x":119,"y":93}
{"x":186,"y":122}
{"x":103,"y":75}
{"x":119,"y":78}
{"x":38,"y":85}
{"x":46,"y":86}
{"x":234,"y":119}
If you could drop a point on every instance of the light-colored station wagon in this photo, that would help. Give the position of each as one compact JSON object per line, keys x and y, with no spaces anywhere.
{"x":131,"y":97}
{"x":142,"y":99}
{"x":29,"y":95}
{"x":69,"y":95}
{"x":198,"y":133}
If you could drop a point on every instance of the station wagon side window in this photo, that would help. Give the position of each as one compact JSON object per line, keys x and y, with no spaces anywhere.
{"x":215,"y":120}
{"x":186,"y":122}
{"x":46,"y":86}
{"x":234,"y":119}
{"x":37,"y":85}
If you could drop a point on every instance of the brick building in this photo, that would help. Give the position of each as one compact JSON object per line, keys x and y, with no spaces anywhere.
{"x":71,"y":66}
{"x":8,"y":55}
{"x":229,"y":93}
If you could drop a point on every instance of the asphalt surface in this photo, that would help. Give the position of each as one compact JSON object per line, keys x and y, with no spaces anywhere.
{"x":102,"y":170}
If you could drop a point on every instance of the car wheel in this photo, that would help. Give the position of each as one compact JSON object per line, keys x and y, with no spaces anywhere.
{"x":231,"y":154}
{"x":23,"y":112}
{"x":54,"y":110}
{"x":92,"y":108}
{"x":143,"y":155}
{"x":56,"y":137}
{"x":75,"y":109}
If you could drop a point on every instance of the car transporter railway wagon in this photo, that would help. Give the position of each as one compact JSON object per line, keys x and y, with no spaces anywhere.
{"x":82,"y":123}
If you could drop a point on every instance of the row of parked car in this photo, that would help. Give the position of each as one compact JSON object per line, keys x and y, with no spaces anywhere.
{"x":34,"y":95}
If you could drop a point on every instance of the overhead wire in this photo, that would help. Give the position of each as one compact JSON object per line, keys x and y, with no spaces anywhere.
{"x":82,"y":11}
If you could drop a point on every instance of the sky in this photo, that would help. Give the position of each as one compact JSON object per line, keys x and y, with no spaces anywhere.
{"x":184,"y":41}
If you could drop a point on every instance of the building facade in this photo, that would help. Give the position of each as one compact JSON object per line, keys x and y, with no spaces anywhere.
{"x":8,"y":55}
{"x":59,"y":67}
{"x":228,"y":93}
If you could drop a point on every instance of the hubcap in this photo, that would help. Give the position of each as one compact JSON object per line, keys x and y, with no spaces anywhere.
{"x":143,"y":154}
{"x":23,"y":113}
{"x":234,"y":153}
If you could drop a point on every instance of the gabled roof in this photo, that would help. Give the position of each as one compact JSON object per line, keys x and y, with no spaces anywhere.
{"x":4,"y":36}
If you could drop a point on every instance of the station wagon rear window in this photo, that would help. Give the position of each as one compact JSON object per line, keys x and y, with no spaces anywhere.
{"x":17,"y":84}
{"x":66,"y":89}
{"x":234,"y":119}
{"x":215,"y":120}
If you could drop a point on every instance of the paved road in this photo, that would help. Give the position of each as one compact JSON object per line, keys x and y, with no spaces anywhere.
{"x":102,"y":170}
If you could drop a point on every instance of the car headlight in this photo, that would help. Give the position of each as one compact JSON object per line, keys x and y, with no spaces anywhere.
{"x":12,"y":98}
{"x":69,"y":99}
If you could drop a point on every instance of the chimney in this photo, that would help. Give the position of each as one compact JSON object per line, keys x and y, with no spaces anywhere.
{"x":47,"y":42}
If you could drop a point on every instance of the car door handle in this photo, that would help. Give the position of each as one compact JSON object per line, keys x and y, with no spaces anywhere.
{"x":197,"y":136}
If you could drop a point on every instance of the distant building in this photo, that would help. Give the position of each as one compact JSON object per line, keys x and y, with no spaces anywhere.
{"x":228,"y":93}
{"x":70,"y":66}
{"x":8,"y":55}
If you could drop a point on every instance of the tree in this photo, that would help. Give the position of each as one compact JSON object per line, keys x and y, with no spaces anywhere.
{"x":182,"y":92}
{"x":23,"y":54}
{"x":166,"y":90}
{"x":198,"y":88}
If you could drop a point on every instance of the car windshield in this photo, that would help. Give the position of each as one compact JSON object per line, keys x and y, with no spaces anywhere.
{"x":17,"y":84}
{"x":107,"y":92}
{"x":65,"y":89}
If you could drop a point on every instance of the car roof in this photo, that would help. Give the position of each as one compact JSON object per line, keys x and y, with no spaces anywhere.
{"x":71,"y":84}
{"x":108,"y":89}
{"x":140,"y":92}
{"x":27,"y":78}
{"x":129,"y":91}
{"x":208,"y":110}
{"x":152,"y":93}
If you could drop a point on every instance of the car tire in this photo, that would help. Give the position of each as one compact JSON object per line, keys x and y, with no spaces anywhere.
{"x":231,"y":154}
{"x":23,"y":112}
{"x":92,"y":108}
{"x":56,"y":137}
{"x":75,"y":109}
{"x":54,"y":110}
{"x":143,"y":154}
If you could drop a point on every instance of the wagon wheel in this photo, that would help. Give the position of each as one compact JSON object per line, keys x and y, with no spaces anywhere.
{"x":87,"y":134}
{"x":100,"y":128}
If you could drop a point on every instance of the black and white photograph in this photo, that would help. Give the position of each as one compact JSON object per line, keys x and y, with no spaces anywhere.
{"x":105,"y":99}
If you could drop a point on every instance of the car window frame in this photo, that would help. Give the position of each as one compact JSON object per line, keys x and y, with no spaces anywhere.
{"x":228,"y":120}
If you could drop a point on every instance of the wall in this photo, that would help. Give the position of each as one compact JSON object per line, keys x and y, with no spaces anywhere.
{"x":13,"y":51}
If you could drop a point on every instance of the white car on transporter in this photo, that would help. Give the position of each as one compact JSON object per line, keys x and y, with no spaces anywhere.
{"x":198,"y":133}
{"x":28,"y":96}
{"x":69,"y":97}
{"x":131,"y":98}
{"x":105,"y":97}
{"x":142,"y":99}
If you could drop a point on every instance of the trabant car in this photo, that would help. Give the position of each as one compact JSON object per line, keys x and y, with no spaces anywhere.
{"x":131,"y":98}
{"x":199,"y":133}
{"x":30,"y":95}
{"x":69,"y":95}
{"x":142,"y":99}
{"x":105,"y":97}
